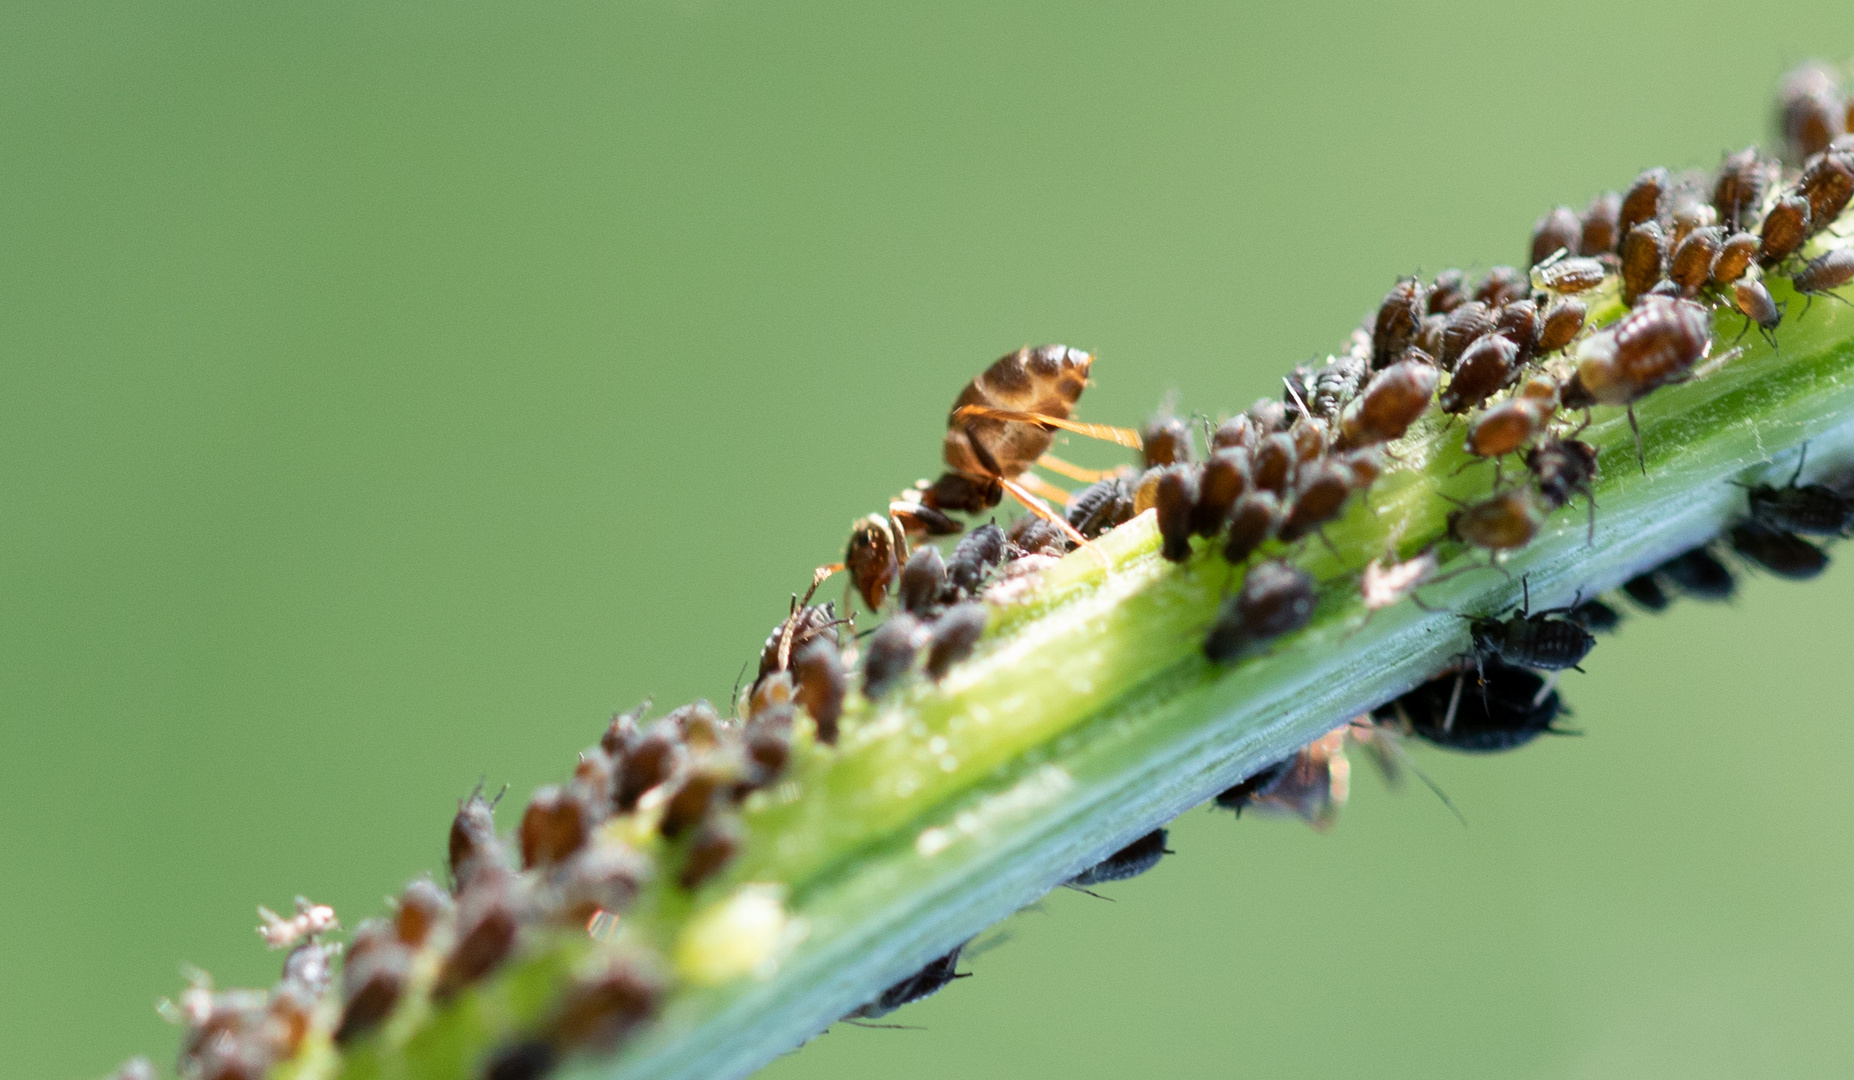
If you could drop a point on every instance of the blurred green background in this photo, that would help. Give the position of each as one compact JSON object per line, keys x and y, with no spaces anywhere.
{"x":389,"y":392}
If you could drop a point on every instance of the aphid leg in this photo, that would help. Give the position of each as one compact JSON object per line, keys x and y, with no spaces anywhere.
{"x":1404,"y":759}
{"x":1074,"y":472}
{"x":1801,"y":457}
{"x":1640,"y":459}
{"x":1454,"y":702}
{"x":791,"y":620}
{"x":1715,"y":364}
{"x":1090,"y":892}
{"x":1590,"y":533}
{"x":1036,"y":484}
{"x":1106,"y":432}
{"x":1041,"y":509}
{"x":885,"y":1027}
{"x":1321,"y":533}
{"x":1551,"y":683}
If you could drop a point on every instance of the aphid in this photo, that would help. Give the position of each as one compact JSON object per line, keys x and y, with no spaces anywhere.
{"x":1564,"y":320}
{"x":486,"y":928}
{"x":1692,"y":261}
{"x":1565,"y":468}
{"x":890,"y":654}
{"x":1809,"y":107}
{"x":1785,"y":229}
{"x":1176,"y":497}
{"x":604,"y":877}
{"x":1827,"y":181}
{"x":419,"y":909}
{"x":1031,"y":535}
{"x":1753,"y":301}
{"x":1485,"y":367}
{"x":1557,"y":230}
{"x":805,"y":624}
{"x":1518,"y":322}
{"x":1269,"y":416}
{"x":1380,"y":586}
{"x":702,"y":785}
{"x":1238,"y":432}
{"x":602,"y":1008}
{"x":1809,"y":509}
{"x":1646,"y":591}
{"x":1600,"y":225}
{"x":1656,"y":344}
{"x":1167,"y":441}
{"x":1312,"y":784}
{"x":1505,"y":521}
{"x":1429,"y":339}
{"x":1739,"y":187}
{"x":1782,"y":553}
{"x":1253,"y":520}
{"x":1643,"y":256}
{"x":1224,"y":479}
{"x":1509,"y":425}
{"x":1275,"y":599}
{"x":552,"y":828}
{"x":1129,"y":862}
{"x":1271,"y":467}
{"x":1099,"y":507}
{"x":1394,"y":399}
{"x":1447,"y":294}
{"x":1734,"y":258}
{"x":926,"y":982}
{"x":1466,"y":325}
{"x":1511,"y":707}
{"x":474,"y":846}
{"x":821,"y":686}
{"x":1567,"y":276}
{"x":1502,"y":285}
{"x":1399,"y":317}
{"x":372,"y":981}
{"x":1699,"y":574}
{"x":973,"y":557}
{"x":922,"y":579}
{"x":1005,"y":419}
{"x":1595,"y":616}
{"x":1532,"y":639}
{"x":952,"y":637}
{"x":1319,"y":495}
{"x":1829,"y":270}
{"x":1241,"y":795}
{"x":713,"y":846}
{"x":1309,"y":436}
{"x":1689,"y":216}
{"x":1642,"y":203}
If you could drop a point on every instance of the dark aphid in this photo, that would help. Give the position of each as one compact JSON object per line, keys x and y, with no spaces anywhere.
{"x":922,"y":579}
{"x":1485,"y":367}
{"x":1238,"y":432}
{"x":952,"y":637}
{"x":1176,"y":497}
{"x":1753,"y":301}
{"x":713,"y":846}
{"x":1518,"y":322}
{"x":821,"y":686}
{"x":649,"y":761}
{"x":701,"y":787}
{"x":602,"y":877}
{"x":474,"y":845}
{"x":1692,"y":262}
{"x":1564,"y":468}
{"x":1319,"y":495}
{"x":1810,"y":110}
{"x":923,"y":983}
{"x":1253,"y":520}
{"x":1239,"y":797}
{"x":1394,"y":399}
{"x":1505,"y":521}
{"x":1542,"y":640}
{"x":1031,"y":535}
{"x":1734,"y":258}
{"x":1785,"y":229}
{"x":523,"y":1059}
{"x":1600,"y":225}
{"x":1595,"y":616}
{"x":1564,"y":320}
{"x":1557,"y":230}
{"x":1399,"y":317}
{"x":1466,"y":325}
{"x":1167,"y":441}
{"x":1646,"y":591}
{"x":1827,"y":181}
{"x":1809,"y":509}
{"x":1275,"y":599}
{"x":1100,"y":506}
{"x":1740,"y":187}
{"x":486,"y":928}
{"x":1223,"y":481}
{"x":1642,"y":203}
{"x":373,"y":975}
{"x":1643,"y":258}
{"x":1310,"y":437}
{"x":1312,"y":784}
{"x":1271,"y":467}
{"x":1783,"y":554}
{"x":1502,"y":285}
{"x":1567,"y":276}
{"x":871,"y":559}
{"x":1699,"y":574}
{"x":1269,"y":415}
{"x":1130,"y":861}
{"x":973,"y":557}
{"x":1656,"y":344}
{"x":891,"y":654}
{"x":1429,"y":339}
{"x":552,"y":828}
{"x":419,"y":909}
{"x":1827,"y":271}
{"x":1448,"y":293}
{"x":1509,"y":708}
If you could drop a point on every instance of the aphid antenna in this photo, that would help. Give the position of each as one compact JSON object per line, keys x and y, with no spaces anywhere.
{"x":1408,"y":761}
{"x":735,"y":700}
{"x":886,"y":1027}
{"x":1304,"y":411}
{"x":1090,"y":892}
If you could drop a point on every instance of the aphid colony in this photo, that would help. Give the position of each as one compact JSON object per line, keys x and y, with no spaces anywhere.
{"x":1509,"y":363}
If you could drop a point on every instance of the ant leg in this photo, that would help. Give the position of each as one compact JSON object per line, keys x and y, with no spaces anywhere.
{"x":1640,"y":459}
{"x":818,"y":577}
{"x":1075,"y":472}
{"x":1105,"y":432}
{"x":1041,"y":509}
{"x":1034,"y":483}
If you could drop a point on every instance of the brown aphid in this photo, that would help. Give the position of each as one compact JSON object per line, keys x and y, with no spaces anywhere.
{"x":1687,"y":217}
{"x":1502,"y":285}
{"x":603,"y":1008}
{"x":713,"y":846}
{"x":1785,"y":229}
{"x":1642,"y":203}
{"x":1224,"y":479}
{"x":1507,"y":426}
{"x":1271,"y":467}
{"x":372,"y":983}
{"x":766,"y":740}
{"x":1827,"y":271}
{"x":871,"y":559}
{"x":1753,"y":301}
{"x":1600,"y":231}
{"x":1643,"y":256}
{"x":1518,"y":322}
{"x":1448,"y":293}
{"x":474,"y":845}
{"x":1466,"y":325}
{"x":1276,"y":598}
{"x":553,"y":827}
{"x":1692,"y":262}
{"x":891,"y":653}
{"x":651,"y":759}
{"x":602,"y":877}
{"x":1430,"y":338}
{"x":1313,"y":784}
{"x":419,"y":909}
{"x":1827,"y":181}
{"x":1740,"y":187}
{"x":1399,"y":317}
{"x":1310,"y":438}
{"x":1176,"y":497}
{"x":701,"y":786}
{"x":1568,"y":276}
{"x":1564,"y":320}
{"x":821,"y":686}
{"x":1253,"y":521}
{"x":1734,"y":258}
{"x":1269,"y":416}
{"x":1167,"y":441}
{"x":486,"y":929}
{"x":1556,"y":231}
{"x":922,"y":579}
{"x":1505,"y":522}
{"x":1031,"y":535}
{"x":952,"y":638}
{"x":1485,"y":367}
{"x":1240,"y":431}
{"x":1394,"y":399}
{"x":1563,"y":468}
{"x":1319,"y":496}
{"x":1810,"y":109}
{"x":1650,"y":347}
